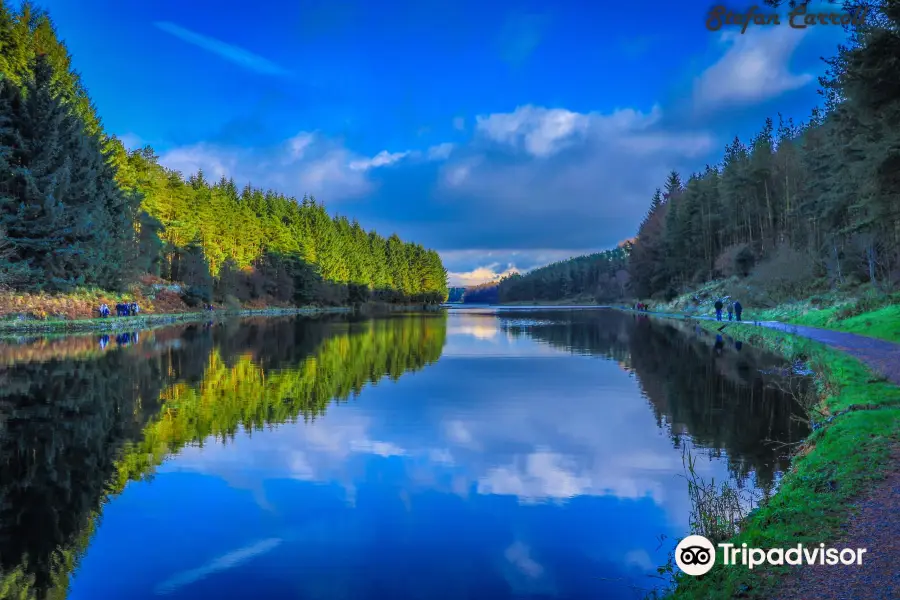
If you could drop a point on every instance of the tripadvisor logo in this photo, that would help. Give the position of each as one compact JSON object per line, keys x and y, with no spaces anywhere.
{"x":695,"y":555}
{"x":799,"y":18}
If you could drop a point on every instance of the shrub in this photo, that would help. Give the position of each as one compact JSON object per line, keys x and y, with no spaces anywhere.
{"x":735,"y":260}
{"x":870,"y":301}
{"x":194,"y":296}
{"x":787,"y":275}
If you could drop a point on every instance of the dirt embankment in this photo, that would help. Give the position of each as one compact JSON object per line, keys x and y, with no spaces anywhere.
{"x":153,"y":295}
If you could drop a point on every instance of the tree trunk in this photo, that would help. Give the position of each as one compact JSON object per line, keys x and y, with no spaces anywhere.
{"x":870,"y":260}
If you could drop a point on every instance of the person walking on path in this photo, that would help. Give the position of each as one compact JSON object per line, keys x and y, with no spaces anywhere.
{"x":737,"y":310}
{"x":730,"y":310}
{"x":718,"y":310}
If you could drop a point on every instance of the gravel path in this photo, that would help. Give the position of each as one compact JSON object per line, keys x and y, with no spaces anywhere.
{"x":881,"y":356}
{"x":876,"y":527}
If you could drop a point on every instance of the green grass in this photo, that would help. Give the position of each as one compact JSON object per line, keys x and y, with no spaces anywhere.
{"x":839,"y":461}
{"x":861,"y":310}
{"x":882,"y":323}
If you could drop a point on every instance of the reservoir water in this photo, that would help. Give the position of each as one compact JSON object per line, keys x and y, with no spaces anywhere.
{"x":473,"y":453}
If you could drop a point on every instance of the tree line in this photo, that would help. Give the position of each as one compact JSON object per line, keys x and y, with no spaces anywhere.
{"x":797,"y":208}
{"x":483,"y":293}
{"x":78,"y":209}
{"x":798,"y":205}
{"x":602,"y":276}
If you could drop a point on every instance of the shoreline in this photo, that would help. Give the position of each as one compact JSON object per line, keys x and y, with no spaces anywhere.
{"x":859,"y":324}
{"x":24,"y":327}
{"x":847,"y":454}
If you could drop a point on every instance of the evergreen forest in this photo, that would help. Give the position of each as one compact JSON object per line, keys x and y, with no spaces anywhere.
{"x":797,"y":208}
{"x":79,"y":210}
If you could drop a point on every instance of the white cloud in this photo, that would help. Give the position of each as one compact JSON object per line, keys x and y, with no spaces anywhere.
{"x":756,"y":67}
{"x":213,"y":161}
{"x":541,"y":131}
{"x":441,"y":456}
{"x":480,"y":275}
{"x":457,"y":174}
{"x":440,"y":151}
{"x":539,"y":475}
{"x":298,"y":144}
{"x":519,"y":555}
{"x":383,"y":449}
{"x":578,"y":178}
{"x":382,"y":159}
{"x":488,"y":261}
{"x":475,"y":328}
{"x":457,"y":432}
{"x":306,"y":163}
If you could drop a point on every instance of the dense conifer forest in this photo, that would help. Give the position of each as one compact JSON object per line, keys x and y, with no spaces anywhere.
{"x":602,"y":276}
{"x":798,"y":204}
{"x":798,"y":208}
{"x":79,"y":210}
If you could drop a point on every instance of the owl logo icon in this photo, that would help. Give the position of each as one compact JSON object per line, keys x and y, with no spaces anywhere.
{"x":695,"y":555}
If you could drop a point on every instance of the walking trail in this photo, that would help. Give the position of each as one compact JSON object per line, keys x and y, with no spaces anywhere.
{"x":881,"y":356}
{"x":876,"y":523}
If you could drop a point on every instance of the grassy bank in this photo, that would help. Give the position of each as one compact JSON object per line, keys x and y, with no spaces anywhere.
{"x":856,"y":422}
{"x":861,"y":310}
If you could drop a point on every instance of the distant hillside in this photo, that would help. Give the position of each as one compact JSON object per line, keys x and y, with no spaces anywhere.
{"x":455,"y":294}
{"x":485,"y":293}
{"x":602,"y":277}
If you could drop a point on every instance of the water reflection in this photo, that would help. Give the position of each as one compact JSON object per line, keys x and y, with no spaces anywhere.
{"x":518,"y":464}
{"x":694,"y":381}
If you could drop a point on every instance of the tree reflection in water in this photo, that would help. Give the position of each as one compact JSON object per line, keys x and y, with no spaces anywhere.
{"x":721,"y":399}
{"x":79,"y":418}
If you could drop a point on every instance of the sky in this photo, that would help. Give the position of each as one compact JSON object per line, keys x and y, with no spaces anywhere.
{"x":506,"y":135}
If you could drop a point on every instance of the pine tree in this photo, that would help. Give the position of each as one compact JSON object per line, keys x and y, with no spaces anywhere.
{"x":78,"y":208}
{"x":42,"y":230}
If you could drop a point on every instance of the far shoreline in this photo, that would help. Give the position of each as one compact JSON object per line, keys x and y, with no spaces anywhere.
{"x":23,"y":327}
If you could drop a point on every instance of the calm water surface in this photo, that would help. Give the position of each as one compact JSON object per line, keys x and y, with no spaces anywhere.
{"x":483,"y":454}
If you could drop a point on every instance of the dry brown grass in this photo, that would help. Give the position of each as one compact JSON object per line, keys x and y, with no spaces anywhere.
{"x":83,"y":304}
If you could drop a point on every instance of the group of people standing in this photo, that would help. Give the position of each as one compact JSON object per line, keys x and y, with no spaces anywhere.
{"x":734,"y":310}
{"x":123,"y":309}
{"x":641,"y":307}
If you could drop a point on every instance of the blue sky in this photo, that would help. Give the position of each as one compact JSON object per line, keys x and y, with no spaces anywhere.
{"x":504,"y":134}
